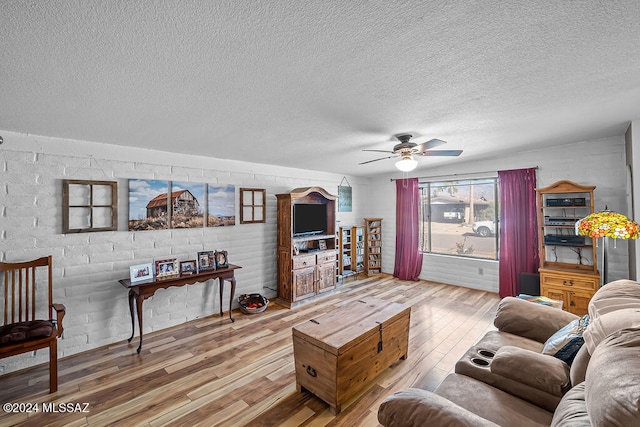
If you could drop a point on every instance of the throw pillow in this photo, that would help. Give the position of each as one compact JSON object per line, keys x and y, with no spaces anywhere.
{"x":568,"y":352}
{"x":565,"y":343}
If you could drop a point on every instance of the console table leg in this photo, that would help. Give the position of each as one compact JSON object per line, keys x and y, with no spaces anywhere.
{"x":139,"y":301}
{"x":221,"y":280}
{"x":133,"y":325}
{"x":233,"y":291}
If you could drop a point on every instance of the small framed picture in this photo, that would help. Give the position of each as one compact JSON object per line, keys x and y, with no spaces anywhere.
{"x":188,"y":267}
{"x":221,"y":259}
{"x":141,"y":273}
{"x":322,"y":245}
{"x":206,"y":261}
{"x":166,"y":268}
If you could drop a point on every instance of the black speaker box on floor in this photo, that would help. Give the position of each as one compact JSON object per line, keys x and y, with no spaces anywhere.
{"x":530,"y":284}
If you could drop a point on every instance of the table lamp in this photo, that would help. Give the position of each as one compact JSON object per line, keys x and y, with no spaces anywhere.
{"x":607,"y":224}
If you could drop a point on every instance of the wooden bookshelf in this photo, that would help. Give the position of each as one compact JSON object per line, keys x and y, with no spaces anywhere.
{"x":373,"y":246}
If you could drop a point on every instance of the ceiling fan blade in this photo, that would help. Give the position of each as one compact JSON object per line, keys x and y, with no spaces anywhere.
{"x":375,"y":160}
{"x":432,"y":143}
{"x":441,"y":153}
{"x":380,"y":151}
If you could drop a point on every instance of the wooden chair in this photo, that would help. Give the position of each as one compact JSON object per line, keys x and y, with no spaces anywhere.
{"x":27,"y":304}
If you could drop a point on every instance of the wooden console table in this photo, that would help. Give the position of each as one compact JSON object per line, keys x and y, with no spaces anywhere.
{"x":143,"y":290}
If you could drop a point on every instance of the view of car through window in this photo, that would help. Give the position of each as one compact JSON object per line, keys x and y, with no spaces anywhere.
{"x":460,"y":218}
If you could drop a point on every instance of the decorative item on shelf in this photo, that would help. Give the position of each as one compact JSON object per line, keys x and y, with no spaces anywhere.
{"x":252,"y":303}
{"x":607,"y":224}
{"x":141,"y":273}
{"x":222,"y":260}
{"x":206,"y":261}
{"x":188,"y":267}
{"x":166,"y":268}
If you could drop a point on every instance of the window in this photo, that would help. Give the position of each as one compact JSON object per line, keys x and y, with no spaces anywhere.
{"x":460,"y":218}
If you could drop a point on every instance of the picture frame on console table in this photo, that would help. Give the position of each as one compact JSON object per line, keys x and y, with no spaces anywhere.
{"x":141,"y":273}
{"x":222,"y":259}
{"x":166,"y":268}
{"x":206,"y":261}
{"x":188,"y":267}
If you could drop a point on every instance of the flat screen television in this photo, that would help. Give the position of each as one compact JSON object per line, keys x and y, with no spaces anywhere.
{"x":309,"y":219}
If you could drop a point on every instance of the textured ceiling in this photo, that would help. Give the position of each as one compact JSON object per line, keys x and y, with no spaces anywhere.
{"x":310,"y":84}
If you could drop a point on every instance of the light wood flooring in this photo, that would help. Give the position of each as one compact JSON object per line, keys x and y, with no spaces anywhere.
{"x":213,"y":372}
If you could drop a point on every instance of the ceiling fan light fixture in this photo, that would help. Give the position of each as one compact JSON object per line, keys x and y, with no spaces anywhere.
{"x":407,"y":164}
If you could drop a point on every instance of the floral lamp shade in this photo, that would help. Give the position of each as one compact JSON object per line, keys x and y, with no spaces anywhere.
{"x":608,"y":224}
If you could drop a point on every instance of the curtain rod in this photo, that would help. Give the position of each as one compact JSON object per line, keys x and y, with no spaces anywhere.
{"x":460,"y":174}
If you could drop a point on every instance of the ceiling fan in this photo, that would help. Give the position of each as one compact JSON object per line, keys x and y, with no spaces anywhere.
{"x":407,"y":149}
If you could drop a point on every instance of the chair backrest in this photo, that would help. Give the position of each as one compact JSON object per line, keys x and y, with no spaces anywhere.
{"x":19,"y":282}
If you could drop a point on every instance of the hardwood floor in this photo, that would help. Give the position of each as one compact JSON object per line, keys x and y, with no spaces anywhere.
{"x":213,"y":372}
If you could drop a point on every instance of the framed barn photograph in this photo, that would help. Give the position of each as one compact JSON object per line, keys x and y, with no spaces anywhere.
{"x":206,"y":261}
{"x":187,"y":205}
{"x":148,"y":204}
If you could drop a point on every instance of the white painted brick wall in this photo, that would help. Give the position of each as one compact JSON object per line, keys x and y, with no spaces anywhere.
{"x":597,"y":162}
{"x":87,"y":266}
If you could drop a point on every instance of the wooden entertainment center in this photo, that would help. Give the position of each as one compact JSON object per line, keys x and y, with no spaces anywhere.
{"x":306,"y":249}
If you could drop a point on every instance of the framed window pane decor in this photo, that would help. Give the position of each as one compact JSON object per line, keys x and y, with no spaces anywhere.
{"x":252,"y":205}
{"x":89,"y":206}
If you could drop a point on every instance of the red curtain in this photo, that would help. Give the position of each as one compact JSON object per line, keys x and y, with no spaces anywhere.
{"x":518,"y":228}
{"x":408,"y":263}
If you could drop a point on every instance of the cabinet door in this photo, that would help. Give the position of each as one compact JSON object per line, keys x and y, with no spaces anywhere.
{"x":284,"y":277}
{"x":578,"y":302}
{"x":326,"y":277}
{"x":304,"y":283}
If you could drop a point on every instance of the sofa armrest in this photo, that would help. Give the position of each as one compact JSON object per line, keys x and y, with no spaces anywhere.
{"x":415,"y":407}
{"x":540,"y":371}
{"x":526,"y":319}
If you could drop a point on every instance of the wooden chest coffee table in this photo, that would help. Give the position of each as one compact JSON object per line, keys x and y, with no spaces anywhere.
{"x":338,"y":353}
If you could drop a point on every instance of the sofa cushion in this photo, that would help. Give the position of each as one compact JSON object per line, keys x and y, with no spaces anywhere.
{"x":22,"y":331}
{"x":579,"y":365}
{"x":476,"y":363}
{"x":624,"y":288}
{"x":540,"y":371}
{"x":613,"y":380}
{"x":414,"y":407}
{"x":605,"y":324}
{"x":572,"y":410}
{"x":529,"y":320}
{"x":491,"y":403}
{"x":616,"y":295}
